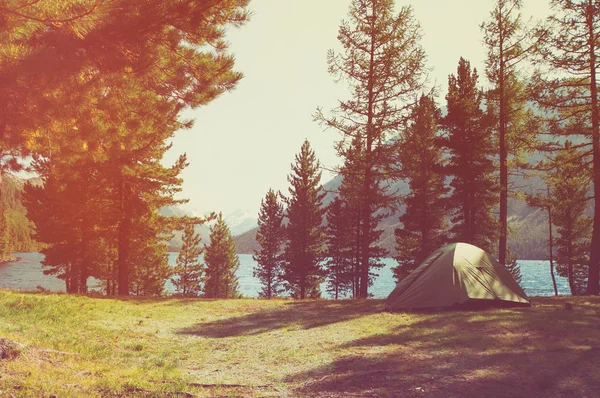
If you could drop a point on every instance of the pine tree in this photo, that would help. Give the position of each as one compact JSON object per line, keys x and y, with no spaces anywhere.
{"x":566,"y":88}
{"x":383,"y":63}
{"x":468,"y":140}
{"x":50,"y":51}
{"x":142,"y":187}
{"x":72,"y":218}
{"x":304,"y":249}
{"x":513,"y":267}
{"x":339,"y":263}
{"x":350,"y":193}
{"x":507,"y":45}
{"x":189,"y":271}
{"x":270,"y":236}
{"x":569,"y":186}
{"x":423,"y":222}
{"x":105,"y":91}
{"x":149,"y":267}
{"x":222,"y":263}
{"x":546,"y":203}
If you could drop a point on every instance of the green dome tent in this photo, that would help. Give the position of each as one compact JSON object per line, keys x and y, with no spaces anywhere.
{"x":456,"y":274}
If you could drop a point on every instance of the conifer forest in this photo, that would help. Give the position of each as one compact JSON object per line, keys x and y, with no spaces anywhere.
{"x":93,"y":94}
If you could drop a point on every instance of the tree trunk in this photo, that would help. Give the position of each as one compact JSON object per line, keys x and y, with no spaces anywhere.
{"x":467,"y":230}
{"x":83,"y":264}
{"x":124,"y":235}
{"x":108,"y":280}
{"x":594,"y":268}
{"x":83,"y":277}
{"x":570,"y":259}
{"x":367,"y":183}
{"x":74,"y":280}
{"x":68,"y":278}
{"x":357,"y":257}
{"x":269,"y":280}
{"x":551,"y":243}
{"x":503,"y":154}
{"x":364,"y":272}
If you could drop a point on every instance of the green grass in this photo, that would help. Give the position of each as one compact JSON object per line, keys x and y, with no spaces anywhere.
{"x":80,"y":346}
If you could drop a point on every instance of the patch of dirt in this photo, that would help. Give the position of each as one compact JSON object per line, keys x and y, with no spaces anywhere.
{"x":10,"y":349}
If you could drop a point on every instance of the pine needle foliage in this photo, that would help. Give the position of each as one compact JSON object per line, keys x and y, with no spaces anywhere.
{"x":424,"y":220}
{"x":467,"y":137}
{"x":305,"y":246}
{"x":383,"y":64}
{"x":271,"y":237}
{"x":340,"y":259}
{"x":222,"y":263}
{"x":508,"y":43}
{"x":565,"y":86}
{"x":189,"y":271}
{"x":569,"y":184}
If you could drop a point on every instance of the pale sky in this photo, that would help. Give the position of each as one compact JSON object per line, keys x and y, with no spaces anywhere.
{"x":243,"y":143}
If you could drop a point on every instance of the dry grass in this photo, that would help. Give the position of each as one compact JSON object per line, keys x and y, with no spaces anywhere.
{"x":79,"y":346}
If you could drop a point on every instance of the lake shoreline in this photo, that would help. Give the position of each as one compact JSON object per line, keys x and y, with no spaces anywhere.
{"x":27,"y":273}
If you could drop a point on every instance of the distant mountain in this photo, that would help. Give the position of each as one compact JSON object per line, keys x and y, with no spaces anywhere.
{"x":176,"y":242}
{"x":239,"y":221}
{"x":528,"y":226}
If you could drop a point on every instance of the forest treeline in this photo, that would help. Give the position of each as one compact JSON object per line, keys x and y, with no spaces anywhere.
{"x":91,"y":92}
{"x":535,"y":98}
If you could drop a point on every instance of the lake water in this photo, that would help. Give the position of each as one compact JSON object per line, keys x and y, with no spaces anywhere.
{"x":27,"y":274}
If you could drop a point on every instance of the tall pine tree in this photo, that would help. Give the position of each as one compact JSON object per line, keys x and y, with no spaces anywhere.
{"x":222,"y":263}
{"x":188,"y":270}
{"x":304,"y":250}
{"x":73,"y":218}
{"x":339,"y":263}
{"x":569,"y":199}
{"x":384,"y":64}
{"x":424,"y":222}
{"x":566,"y":88}
{"x":350,"y":194}
{"x":270,"y":236}
{"x":468,"y":140}
{"x":507,"y":46}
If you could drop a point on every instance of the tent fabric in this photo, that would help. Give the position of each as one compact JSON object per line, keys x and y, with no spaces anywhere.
{"x":456,"y":274}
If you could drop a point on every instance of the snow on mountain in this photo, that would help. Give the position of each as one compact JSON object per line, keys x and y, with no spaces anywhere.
{"x":241,"y":221}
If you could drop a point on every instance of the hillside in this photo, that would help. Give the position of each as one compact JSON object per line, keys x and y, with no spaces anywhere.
{"x":75,"y":346}
{"x":238,"y":221}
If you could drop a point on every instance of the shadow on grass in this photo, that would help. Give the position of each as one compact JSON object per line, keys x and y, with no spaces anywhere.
{"x":517,"y":352}
{"x":294,"y":314}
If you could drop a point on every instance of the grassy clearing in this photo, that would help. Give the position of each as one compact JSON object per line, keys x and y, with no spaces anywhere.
{"x":80,"y":346}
